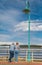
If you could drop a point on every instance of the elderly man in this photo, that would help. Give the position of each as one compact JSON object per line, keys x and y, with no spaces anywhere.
{"x":11,"y":52}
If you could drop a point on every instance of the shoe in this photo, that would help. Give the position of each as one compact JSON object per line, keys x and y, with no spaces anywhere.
{"x":16,"y":62}
{"x":10,"y":61}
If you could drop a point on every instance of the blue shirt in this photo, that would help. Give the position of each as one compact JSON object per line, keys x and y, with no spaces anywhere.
{"x":12,"y":48}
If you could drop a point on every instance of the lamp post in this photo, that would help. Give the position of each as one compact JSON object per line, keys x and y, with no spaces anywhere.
{"x":27,"y":11}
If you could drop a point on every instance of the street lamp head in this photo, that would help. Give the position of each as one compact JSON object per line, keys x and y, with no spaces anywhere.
{"x":27,"y":9}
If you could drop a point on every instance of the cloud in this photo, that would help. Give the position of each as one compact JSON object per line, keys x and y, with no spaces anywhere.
{"x":4,"y":37}
{"x":34,"y":26}
{"x":36,"y":41}
{"x":8,"y":19}
{"x":12,"y":26}
{"x":21,"y":26}
{"x":9,"y":15}
{"x":9,"y":43}
{"x":6,"y":43}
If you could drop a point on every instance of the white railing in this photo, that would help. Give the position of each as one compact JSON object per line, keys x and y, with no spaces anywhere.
{"x":35,"y":54}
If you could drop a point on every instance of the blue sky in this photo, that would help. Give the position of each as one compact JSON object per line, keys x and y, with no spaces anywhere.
{"x":14,"y":23}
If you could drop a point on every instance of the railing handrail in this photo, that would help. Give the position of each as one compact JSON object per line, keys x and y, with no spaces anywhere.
{"x":26,"y":51}
{"x":23,"y":49}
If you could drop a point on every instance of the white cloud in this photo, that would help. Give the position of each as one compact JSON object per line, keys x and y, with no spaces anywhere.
{"x":4,"y":37}
{"x":35,"y":25}
{"x":9,"y":15}
{"x":8,"y":19}
{"x":36,"y":41}
{"x":9,"y":43}
{"x":21,"y":26}
{"x":1,"y":43}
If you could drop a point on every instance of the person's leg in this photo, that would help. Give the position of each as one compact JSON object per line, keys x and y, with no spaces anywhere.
{"x":10,"y":56}
{"x":16,"y":56}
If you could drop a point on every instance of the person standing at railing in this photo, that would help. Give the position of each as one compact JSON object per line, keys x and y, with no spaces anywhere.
{"x":12,"y":48}
{"x":16,"y":52}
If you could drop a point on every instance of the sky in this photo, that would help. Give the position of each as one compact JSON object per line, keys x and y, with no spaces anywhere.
{"x":14,"y":23}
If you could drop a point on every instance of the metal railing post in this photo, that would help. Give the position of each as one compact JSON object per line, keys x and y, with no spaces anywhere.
{"x":26,"y":55}
{"x":32,"y":55}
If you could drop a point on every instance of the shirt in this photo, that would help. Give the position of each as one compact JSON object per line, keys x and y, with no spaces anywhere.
{"x":17,"y":48}
{"x":12,"y":48}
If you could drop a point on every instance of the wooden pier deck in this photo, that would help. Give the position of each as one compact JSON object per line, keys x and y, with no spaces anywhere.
{"x":21,"y":63}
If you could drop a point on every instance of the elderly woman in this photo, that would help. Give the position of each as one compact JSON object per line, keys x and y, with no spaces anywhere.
{"x":16,"y":51}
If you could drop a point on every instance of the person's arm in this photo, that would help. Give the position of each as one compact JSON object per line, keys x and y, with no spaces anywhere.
{"x":14,"y":47}
{"x":19,"y":47}
{"x":9,"y":47}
